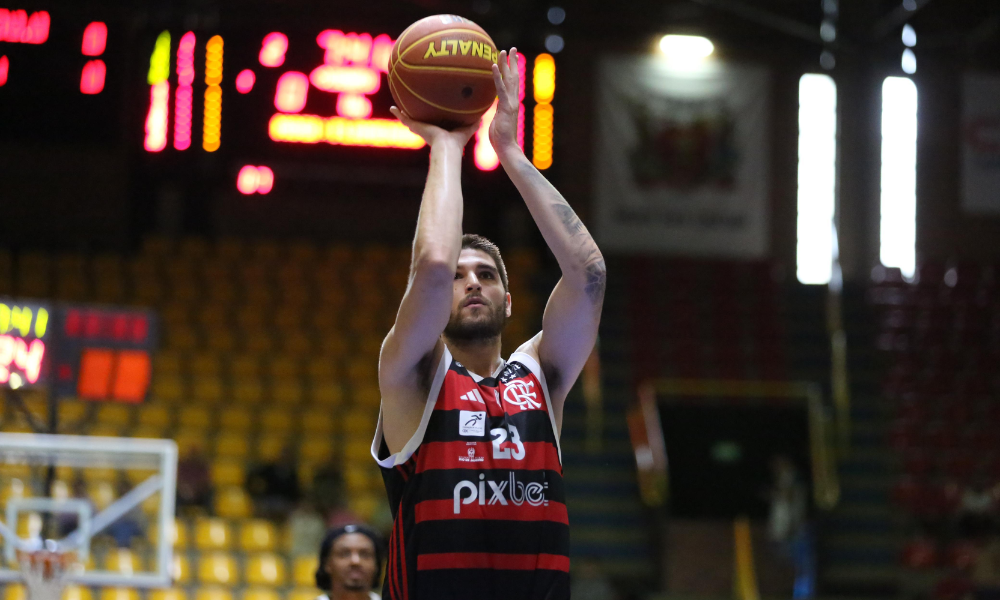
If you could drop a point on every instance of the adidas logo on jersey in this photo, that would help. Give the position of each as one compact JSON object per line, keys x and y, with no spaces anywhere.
{"x":473,"y":396}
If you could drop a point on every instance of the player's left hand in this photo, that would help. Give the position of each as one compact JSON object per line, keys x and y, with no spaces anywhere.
{"x":503,"y":129}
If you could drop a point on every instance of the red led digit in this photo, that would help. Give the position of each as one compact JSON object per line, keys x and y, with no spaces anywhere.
{"x":272,"y":51}
{"x":4,"y":66}
{"x":245,"y":81}
{"x":92,"y":78}
{"x":140,"y":329}
{"x":95,"y":38}
{"x":132,"y":376}
{"x":92,"y":325}
{"x":96,"y":367}
{"x":290,"y":97}
{"x":73,"y":323}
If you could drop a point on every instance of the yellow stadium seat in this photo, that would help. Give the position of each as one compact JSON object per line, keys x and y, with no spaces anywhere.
{"x":167,"y":362}
{"x":168,"y":388}
{"x":266,"y":569}
{"x":71,"y":412}
{"x":102,"y":494}
{"x":359,"y":422}
{"x":175,"y":314}
{"x":302,"y":251}
{"x":182,"y":337}
{"x":149,"y":432}
{"x":221,"y":339}
{"x":357,"y":449}
{"x":232,"y":502}
{"x":297,"y":343}
{"x":270,"y":445}
{"x":15,"y":591}
{"x":213,"y":593}
{"x":122,"y":560}
{"x":208,"y":390}
{"x":276,"y":421}
{"x":194,"y":417}
{"x":334,"y":344}
{"x":217,"y":568}
{"x":119,"y":594}
{"x":180,"y":569}
{"x":259,"y":341}
{"x":304,"y":570}
{"x":189,"y":441}
{"x":316,"y":449}
{"x":222,"y":291}
{"x":250,"y":318}
{"x":244,"y":366}
{"x":287,"y":393}
{"x":362,"y":371}
{"x":153,"y":415}
{"x":322,"y":368}
{"x":368,"y":395}
{"x":170,"y":594}
{"x":328,"y":394}
{"x":258,"y":535}
{"x":289,"y":318}
{"x":302,"y":593}
{"x":230,"y":249}
{"x":207,"y":364}
{"x":319,"y":421}
{"x":260,"y":593}
{"x":232,"y":445}
{"x":236,"y":420}
{"x":364,"y":505}
{"x":178,"y":534}
{"x":228,"y":472}
{"x":212,"y":534}
{"x":104,"y":430}
{"x":114,"y":414}
{"x":284,"y":368}
{"x":248,"y":392}
{"x":75,"y":592}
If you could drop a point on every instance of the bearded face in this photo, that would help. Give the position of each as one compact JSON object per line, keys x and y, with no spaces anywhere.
{"x":482,"y":321}
{"x":480,"y":306}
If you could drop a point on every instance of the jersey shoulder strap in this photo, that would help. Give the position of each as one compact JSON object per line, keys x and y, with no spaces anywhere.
{"x":411,"y":446}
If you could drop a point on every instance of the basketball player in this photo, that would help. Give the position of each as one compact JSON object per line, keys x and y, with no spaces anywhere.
{"x":469,"y":443}
{"x":350,"y":561}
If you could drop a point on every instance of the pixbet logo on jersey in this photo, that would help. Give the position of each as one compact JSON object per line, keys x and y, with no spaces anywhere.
{"x":519,"y":393}
{"x":532,"y":492}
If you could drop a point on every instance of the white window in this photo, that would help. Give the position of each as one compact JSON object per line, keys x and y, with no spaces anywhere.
{"x":898,"y":231}
{"x":816,"y":248}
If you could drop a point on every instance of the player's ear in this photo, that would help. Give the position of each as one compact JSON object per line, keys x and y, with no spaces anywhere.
{"x":507,"y":302}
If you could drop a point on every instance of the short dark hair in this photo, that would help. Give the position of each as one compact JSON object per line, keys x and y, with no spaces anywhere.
{"x":478,"y":242}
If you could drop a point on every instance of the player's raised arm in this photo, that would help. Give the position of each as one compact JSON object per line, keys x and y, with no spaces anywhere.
{"x":411,"y":344}
{"x":569,"y":324}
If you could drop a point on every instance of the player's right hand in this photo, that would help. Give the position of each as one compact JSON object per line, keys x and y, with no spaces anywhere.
{"x":432,"y":134}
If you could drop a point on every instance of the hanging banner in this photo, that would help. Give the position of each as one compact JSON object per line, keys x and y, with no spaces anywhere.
{"x":981,"y":144}
{"x":682,"y":158}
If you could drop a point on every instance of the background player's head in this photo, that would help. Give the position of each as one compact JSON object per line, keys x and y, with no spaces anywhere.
{"x":350,"y":558}
{"x":481,"y":302}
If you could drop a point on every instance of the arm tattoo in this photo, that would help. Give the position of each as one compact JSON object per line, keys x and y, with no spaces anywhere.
{"x":570,"y":221}
{"x":597,"y":276}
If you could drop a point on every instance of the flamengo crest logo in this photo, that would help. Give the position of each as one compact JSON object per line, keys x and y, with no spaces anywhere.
{"x":519,"y":393}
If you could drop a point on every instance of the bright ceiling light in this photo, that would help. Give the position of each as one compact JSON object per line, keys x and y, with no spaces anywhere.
{"x":686,"y":48}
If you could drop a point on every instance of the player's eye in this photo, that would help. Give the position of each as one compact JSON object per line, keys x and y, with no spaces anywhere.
{"x":458,"y":275}
{"x":486,"y":274}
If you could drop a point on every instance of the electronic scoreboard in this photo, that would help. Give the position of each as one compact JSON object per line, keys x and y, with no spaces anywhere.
{"x":88,"y":351}
{"x":267,"y":90}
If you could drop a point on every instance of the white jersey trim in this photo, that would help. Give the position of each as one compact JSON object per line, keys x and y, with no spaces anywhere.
{"x":418,"y":436}
{"x":529,"y":361}
{"x":371,"y":596}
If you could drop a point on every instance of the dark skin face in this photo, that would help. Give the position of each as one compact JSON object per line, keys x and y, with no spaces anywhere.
{"x":351,"y":566}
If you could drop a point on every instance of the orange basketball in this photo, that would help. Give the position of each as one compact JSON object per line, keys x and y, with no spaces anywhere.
{"x":440,"y":71}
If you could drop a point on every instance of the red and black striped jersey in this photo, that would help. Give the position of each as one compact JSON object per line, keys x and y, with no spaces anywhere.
{"x":477,"y":496}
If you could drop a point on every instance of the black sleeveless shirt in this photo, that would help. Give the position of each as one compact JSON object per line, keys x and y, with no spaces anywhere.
{"x":477,"y":498}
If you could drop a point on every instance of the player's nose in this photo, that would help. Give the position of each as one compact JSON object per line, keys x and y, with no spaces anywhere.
{"x":472,"y":283}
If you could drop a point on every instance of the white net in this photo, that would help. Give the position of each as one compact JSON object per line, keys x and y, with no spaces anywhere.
{"x":45,"y":573}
